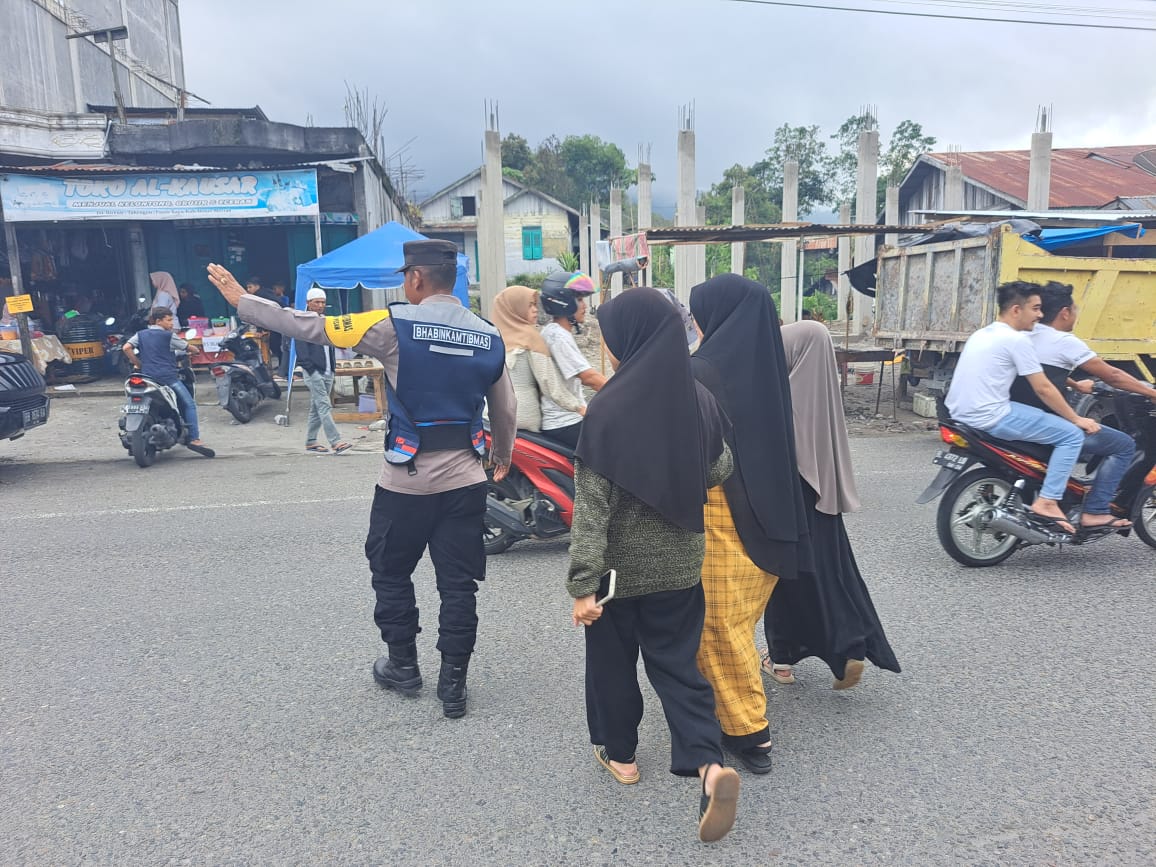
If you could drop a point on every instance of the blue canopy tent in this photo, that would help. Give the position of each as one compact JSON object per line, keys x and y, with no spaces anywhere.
{"x":370,"y":262}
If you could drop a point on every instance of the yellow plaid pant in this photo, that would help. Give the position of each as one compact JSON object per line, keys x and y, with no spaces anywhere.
{"x":737,"y":592}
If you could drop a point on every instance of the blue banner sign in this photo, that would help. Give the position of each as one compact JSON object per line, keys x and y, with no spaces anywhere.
{"x":159,"y":196}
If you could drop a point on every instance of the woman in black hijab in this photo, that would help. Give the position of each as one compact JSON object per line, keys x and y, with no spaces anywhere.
{"x":652,"y":444}
{"x":756,"y":526}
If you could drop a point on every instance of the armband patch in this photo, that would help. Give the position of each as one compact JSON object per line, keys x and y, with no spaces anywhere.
{"x":347,"y":331}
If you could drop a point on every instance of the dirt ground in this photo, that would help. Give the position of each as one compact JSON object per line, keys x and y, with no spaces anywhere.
{"x":869,"y":411}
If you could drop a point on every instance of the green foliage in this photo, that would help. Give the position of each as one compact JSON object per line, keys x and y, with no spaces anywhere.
{"x":574,"y":170}
{"x":905,"y":146}
{"x":568,"y":261}
{"x":534,"y":281}
{"x":801,"y":143}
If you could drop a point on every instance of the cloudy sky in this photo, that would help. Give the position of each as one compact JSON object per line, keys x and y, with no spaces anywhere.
{"x":621,"y":70}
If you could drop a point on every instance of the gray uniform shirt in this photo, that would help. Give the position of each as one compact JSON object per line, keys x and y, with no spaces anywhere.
{"x":436,"y":471}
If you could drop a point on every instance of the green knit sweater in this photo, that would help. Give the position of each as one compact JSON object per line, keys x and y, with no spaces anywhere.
{"x":613,"y":529}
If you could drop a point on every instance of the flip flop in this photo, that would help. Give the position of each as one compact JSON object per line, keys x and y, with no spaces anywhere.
{"x":1057,"y":523}
{"x":852,"y":673}
{"x":317,"y":448}
{"x":1114,"y":524}
{"x":604,"y":760}
{"x":716,"y":811}
{"x":201,"y":450}
{"x":341,"y":447}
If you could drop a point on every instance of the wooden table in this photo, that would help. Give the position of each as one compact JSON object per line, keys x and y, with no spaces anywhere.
{"x":200,"y":358}
{"x":376,"y":373}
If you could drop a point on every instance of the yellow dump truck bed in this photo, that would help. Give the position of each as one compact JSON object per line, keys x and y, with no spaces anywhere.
{"x":932,"y":297}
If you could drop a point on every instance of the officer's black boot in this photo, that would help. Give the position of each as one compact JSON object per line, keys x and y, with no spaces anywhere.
{"x":399,"y":670}
{"x":452,"y":685}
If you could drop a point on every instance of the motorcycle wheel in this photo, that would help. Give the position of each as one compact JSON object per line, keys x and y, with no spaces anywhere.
{"x":143,"y":451}
{"x":1144,"y":516}
{"x":495,"y":539}
{"x":240,"y":410}
{"x":956,"y":523}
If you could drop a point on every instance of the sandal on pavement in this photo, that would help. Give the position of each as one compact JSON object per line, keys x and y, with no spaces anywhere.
{"x":341,"y":447}
{"x":604,"y":760}
{"x":852,"y":672}
{"x":716,"y":811}
{"x":316,"y":448}
{"x":779,"y":673}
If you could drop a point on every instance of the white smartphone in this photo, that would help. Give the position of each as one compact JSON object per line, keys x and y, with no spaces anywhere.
{"x":608,"y":581}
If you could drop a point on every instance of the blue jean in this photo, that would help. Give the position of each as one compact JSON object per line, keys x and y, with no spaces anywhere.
{"x":1117,"y":449}
{"x":188,"y":409}
{"x":320,"y":408}
{"x":1036,"y":426}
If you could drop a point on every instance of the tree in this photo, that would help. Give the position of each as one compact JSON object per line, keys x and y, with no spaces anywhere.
{"x":845,"y":164}
{"x":593,"y":167}
{"x":516,"y":153}
{"x":908,"y":142}
{"x":801,"y":143}
{"x":547,"y":172}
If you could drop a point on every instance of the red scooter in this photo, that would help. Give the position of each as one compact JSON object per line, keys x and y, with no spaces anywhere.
{"x":536,"y":499}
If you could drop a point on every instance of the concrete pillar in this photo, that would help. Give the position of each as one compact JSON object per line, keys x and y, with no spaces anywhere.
{"x":686,"y":215}
{"x":953,"y":188}
{"x":1040,"y":172}
{"x":844,"y":260}
{"x":738,"y":218}
{"x":891,"y":215}
{"x":595,"y":235}
{"x":645,"y":215}
{"x":138,"y":262}
{"x":584,"y":241}
{"x":789,"y":250}
{"x":698,"y":272}
{"x":615,"y":232}
{"x":868,"y":178}
{"x":491,"y":224}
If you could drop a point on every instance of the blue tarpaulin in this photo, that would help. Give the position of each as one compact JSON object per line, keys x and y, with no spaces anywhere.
{"x":1057,"y":239}
{"x":370,"y":261}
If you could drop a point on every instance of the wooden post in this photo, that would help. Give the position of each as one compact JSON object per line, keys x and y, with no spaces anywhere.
{"x":17,"y":287}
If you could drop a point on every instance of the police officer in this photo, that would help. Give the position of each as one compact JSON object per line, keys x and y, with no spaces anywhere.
{"x":440,"y":361}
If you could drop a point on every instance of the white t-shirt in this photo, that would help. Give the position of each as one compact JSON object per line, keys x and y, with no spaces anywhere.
{"x":991,"y":360}
{"x":1060,"y":348}
{"x":571,"y":362}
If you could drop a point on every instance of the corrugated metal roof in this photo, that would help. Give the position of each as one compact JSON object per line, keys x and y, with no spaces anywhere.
{"x":82,"y":168}
{"x":1081,"y":177}
{"x":780,"y":231}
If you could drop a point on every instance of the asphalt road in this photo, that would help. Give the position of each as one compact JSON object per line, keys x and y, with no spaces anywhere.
{"x":185,"y":661}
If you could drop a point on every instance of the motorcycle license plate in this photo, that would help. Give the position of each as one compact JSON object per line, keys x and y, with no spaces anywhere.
{"x":135,"y":407}
{"x":37,"y":415}
{"x":950,"y":460}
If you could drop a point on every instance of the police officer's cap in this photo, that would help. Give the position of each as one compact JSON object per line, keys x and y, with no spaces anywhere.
{"x":427,"y":253}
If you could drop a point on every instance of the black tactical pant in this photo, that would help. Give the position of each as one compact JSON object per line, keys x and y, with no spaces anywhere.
{"x":450,"y":524}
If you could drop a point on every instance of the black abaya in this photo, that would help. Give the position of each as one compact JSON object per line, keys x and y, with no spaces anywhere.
{"x":828,"y":613}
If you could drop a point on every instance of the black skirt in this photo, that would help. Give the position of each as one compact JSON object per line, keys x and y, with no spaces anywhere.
{"x":828,"y":614}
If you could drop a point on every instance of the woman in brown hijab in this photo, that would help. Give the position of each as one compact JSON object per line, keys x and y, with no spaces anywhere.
{"x":831,"y":617}
{"x":532,"y":368}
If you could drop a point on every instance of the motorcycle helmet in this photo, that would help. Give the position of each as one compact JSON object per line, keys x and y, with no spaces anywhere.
{"x":561,"y":291}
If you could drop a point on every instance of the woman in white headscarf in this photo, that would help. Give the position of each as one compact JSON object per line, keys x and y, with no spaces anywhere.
{"x":831,"y":617}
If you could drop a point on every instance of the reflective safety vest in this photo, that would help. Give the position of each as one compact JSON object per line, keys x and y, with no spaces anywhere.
{"x":448,"y":359}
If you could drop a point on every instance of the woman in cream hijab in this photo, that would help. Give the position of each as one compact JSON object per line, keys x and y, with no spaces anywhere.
{"x":532,"y":368}
{"x":165,"y":292}
{"x":831,"y":617}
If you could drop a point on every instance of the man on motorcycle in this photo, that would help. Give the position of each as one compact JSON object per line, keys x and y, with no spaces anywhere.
{"x":563,"y":297}
{"x":1061,"y":353}
{"x":980,"y":394}
{"x":154,"y":351}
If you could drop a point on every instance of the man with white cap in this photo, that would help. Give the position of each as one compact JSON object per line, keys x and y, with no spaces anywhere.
{"x":316,"y":360}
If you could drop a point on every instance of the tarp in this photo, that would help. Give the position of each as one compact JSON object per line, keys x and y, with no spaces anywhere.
{"x":1057,"y":239}
{"x":370,"y":261}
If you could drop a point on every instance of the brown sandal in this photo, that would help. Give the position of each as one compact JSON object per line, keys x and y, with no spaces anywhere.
{"x":604,"y":760}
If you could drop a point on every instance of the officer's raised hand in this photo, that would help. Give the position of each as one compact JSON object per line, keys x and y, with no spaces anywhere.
{"x":226,"y":283}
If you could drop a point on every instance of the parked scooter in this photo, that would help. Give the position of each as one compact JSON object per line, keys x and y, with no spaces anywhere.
{"x":536,"y":499}
{"x":246,"y":381}
{"x":151,"y":418}
{"x":984,"y":516}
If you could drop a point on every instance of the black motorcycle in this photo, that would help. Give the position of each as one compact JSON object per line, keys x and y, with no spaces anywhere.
{"x":151,"y":419}
{"x":246,"y":381}
{"x":988,"y":485}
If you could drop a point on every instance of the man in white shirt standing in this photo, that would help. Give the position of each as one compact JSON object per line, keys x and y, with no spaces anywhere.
{"x":563,"y":297}
{"x":1061,"y":353}
{"x":981,"y":386}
